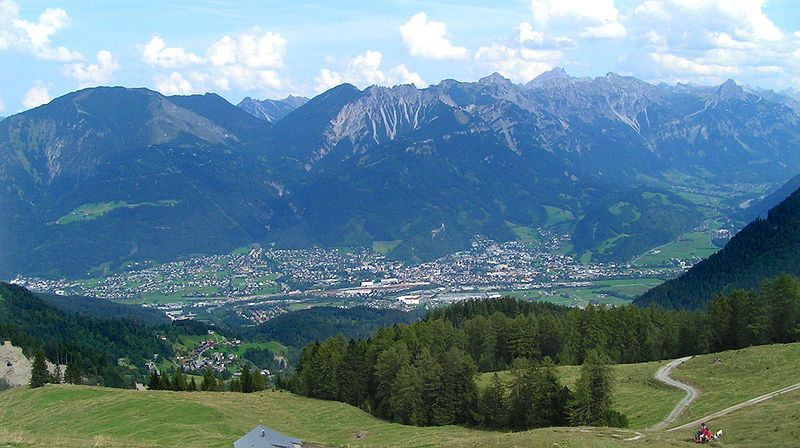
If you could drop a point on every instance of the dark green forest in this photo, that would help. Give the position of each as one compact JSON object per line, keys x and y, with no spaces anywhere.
{"x":94,"y":345}
{"x":763,"y":249}
{"x":424,"y":373}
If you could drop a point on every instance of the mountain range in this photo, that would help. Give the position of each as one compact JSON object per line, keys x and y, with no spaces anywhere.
{"x":272,"y":110}
{"x":106,"y":176}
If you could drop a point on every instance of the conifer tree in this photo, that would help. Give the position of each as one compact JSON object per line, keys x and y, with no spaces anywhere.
{"x":178,"y":381}
{"x":405,"y":401}
{"x":39,"y":374}
{"x":258,"y":381}
{"x":155,"y":381}
{"x":592,"y":403}
{"x":73,"y":373}
{"x":164,"y":380}
{"x":192,"y":385}
{"x":247,"y":381}
{"x":493,"y":405}
{"x":209,"y":383}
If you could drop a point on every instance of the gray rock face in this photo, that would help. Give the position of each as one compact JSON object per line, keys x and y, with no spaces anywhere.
{"x":15,"y":368}
{"x":271,"y":110}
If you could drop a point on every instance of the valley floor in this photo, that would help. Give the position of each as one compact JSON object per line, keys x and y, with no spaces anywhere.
{"x":71,"y":416}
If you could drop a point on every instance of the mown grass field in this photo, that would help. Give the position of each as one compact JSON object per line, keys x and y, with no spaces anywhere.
{"x":69,"y":416}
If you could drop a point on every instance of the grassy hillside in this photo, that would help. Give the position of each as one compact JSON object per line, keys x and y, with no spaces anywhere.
{"x":727,"y":378}
{"x":82,"y":416}
{"x":69,"y":416}
{"x":724,"y":379}
{"x":773,"y":423}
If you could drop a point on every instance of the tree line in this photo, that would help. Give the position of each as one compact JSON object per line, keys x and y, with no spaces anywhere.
{"x":425,"y":373}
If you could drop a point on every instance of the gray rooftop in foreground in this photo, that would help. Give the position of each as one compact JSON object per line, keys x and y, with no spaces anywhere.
{"x":261,"y":437}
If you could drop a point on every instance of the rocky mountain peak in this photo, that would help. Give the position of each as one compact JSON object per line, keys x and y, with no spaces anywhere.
{"x":729,"y":90}
{"x":495,"y":78}
{"x":556,"y":75}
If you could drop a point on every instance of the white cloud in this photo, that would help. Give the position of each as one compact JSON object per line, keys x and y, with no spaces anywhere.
{"x":34,"y":37}
{"x":695,"y":67}
{"x":365,"y":70}
{"x":173,"y":84}
{"x":750,"y":20}
{"x":36,"y":95}
{"x":600,"y":18}
{"x":403,"y":75}
{"x":708,"y":41}
{"x":2,"y":105}
{"x":654,"y":9}
{"x":95,"y":74}
{"x":157,"y":53}
{"x":518,"y":64}
{"x":528,"y":34}
{"x":247,"y":62}
{"x":428,"y":39}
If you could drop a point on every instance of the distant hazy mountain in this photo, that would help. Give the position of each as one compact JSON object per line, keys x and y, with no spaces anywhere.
{"x":763,"y":249}
{"x":114,"y":175}
{"x":272,"y":110}
{"x":760,"y":207}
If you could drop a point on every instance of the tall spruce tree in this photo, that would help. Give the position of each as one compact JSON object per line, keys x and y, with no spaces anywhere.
{"x":406,"y":399}
{"x":493,"y":405}
{"x":155,"y":381}
{"x":247,"y":380}
{"x":209,"y":383}
{"x":73,"y":374}
{"x":592,"y":403}
{"x":39,"y":374}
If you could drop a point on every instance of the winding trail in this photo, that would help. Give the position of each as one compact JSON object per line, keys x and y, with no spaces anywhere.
{"x":662,"y":375}
{"x":736,"y":407}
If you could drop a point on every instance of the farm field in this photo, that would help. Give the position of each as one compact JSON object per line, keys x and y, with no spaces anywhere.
{"x":609,"y":292}
{"x":687,"y":247}
{"x":88,"y":212}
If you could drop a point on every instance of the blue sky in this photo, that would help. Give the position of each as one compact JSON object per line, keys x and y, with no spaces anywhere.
{"x":269,"y":49}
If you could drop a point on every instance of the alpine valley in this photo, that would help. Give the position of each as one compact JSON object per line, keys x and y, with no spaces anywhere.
{"x":122,"y":175}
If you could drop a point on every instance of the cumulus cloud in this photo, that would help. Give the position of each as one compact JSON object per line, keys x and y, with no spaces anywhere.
{"x":247,"y":62}
{"x":518,"y":64}
{"x":173,"y":84}
{"x":34,"y":37}
{"x":89,"y":75}
{"x":36,"y":95}
{"x":2,"y":105}
{"x":695,"y":67}
{"x":528,"y":34}
{"x":708,"y":41}
{"x":428,"y":39}
{"x":156,"y":53}
{"x":364,"y":70}
{"x":599,"y":19}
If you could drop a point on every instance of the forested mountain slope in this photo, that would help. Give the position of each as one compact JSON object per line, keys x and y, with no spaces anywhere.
{"x":763,"y":249}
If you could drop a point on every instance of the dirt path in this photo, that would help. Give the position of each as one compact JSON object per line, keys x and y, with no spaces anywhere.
{"x":662,"y":375}
{"x":736,"y":407}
